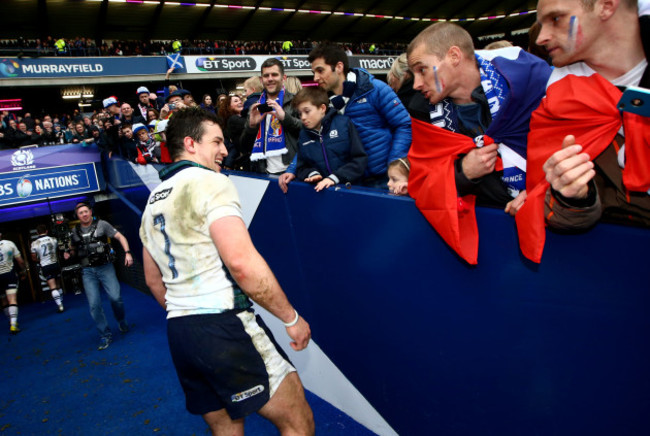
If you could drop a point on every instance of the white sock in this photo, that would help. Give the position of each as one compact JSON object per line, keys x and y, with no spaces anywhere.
{"x":13,"y":314}
{"x":58,"y":299}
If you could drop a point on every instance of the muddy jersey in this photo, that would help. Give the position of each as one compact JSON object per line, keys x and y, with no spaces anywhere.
{"x":45,"y":248}
{"x":8,"y":252}
{"x":175,"y":229}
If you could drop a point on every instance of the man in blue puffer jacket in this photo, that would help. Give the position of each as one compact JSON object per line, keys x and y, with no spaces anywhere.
{"x":382,"y":121}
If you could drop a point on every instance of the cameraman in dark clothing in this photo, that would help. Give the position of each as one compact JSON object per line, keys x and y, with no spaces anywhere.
{"x":90,"y":240}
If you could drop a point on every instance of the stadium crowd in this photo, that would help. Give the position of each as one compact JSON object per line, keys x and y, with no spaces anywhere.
{"x":480,"y":109}
{"x":81,"y":46}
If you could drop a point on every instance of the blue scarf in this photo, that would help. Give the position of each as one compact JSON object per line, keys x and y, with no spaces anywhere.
{"x":339,"y":102}
{"x":275,"y":144}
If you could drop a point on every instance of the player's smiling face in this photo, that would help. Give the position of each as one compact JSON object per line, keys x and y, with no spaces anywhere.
{"x":211,"y":149}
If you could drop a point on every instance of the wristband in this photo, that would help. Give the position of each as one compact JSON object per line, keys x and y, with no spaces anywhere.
{"x":294,"y":322}
{"x":127,"y":252}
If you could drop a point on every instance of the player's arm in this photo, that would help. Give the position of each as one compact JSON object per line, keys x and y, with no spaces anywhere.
{"x":153,"y":278}
{"x":21,"y":264}
{"x":128,"y":258}
{"x":254,"y":276}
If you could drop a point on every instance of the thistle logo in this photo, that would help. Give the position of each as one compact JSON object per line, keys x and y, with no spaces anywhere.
{"x":24,"y":187}
{"x":22,"y":158}
{"x":9,"y":68}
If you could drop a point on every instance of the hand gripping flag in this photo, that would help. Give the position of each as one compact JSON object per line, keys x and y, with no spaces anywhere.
{"x":434,"y":151}
{"x":585,"y":107}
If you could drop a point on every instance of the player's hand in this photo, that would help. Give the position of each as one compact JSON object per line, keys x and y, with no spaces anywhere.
{"x":128,"y":260}
{"x":480,"y":161}
{"x":514,"y":205}
{"x":314,"y":179}
{"x":284,"y":181}
{"x":300,"y":333}
{"x":66,"y":256}
{"x":324,"y":184}
{"x":569,"y":171}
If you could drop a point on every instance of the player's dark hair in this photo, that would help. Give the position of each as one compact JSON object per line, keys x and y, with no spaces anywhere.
{"x":272,"y":62}
{"x":186,"y":122}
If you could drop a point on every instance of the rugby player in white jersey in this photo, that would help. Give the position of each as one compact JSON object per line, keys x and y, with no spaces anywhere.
{"x":44,"y":252}
{"x":9,"y":282}
{"x":202,"y":267}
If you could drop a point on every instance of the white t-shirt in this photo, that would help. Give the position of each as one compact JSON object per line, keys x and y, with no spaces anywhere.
{"x":8,"y":252}
{"x":175,"y":229}
{"x":45,"y":248}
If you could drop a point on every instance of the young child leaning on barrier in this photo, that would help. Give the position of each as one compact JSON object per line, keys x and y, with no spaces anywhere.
{"x":329,"y":148}
{"x":398,"y":176}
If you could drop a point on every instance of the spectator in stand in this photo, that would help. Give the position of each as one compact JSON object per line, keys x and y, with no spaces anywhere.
{"x":152,"y":114}
{"x":147,"y":149}
{"x":23,"y":136}
{"x":29,"y":121}
{"x":100,"y":139}
{"x":398,"y":176}
{"x":329,"y":148}
{"x":230,"y":112}
{"x":81,"y":135}
{"x":382,"y":121}
{"x":270,"y":137}
{"x":160,"y":132}
{"x":129,"y":115}
{"x":48,"y":136}
{"x":112,"y":108}
{"x":173,"y":104}
{"x":252,"y":91}
{"x":206,"y":103}
{"x":483,"y":102}
{"x":59,"y":133}
{"x":588,"y":160}
{"x":293,"y":85}
{"x":37,"y":136}
{"x":400,"y":79}
{"x":128,"y":143}
{"x":144,"y":102}
{"x":10,"y":134}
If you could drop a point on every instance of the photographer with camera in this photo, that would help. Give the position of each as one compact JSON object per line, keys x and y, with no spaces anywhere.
{"x":270,"y":137}
{"x":179,"y":99}
{"x":90,"y":242}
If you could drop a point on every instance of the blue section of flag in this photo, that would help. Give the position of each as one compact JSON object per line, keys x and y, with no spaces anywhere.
{"x":176,"y":60}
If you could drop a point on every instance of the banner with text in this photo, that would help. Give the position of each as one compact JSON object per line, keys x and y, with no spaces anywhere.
{"x":82,"y":67}
{"x":31,"y":174}
{"x":252,"y":64}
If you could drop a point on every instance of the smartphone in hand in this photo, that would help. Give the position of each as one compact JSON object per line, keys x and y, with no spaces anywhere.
{"x":635,"y":100}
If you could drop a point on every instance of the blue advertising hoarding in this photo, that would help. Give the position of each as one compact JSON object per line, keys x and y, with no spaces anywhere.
{"x":26,"y":186}
{"x":11,"y":68}
{"x":33,"y":174}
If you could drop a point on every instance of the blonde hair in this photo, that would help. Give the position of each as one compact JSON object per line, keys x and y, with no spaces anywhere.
{"x":439,"y":37}
{"x":402,"y":164}
{"x":400,"y":69}
{"x":293,"y":84}
{"x":498,"y":44}
{"x":253,"y":83}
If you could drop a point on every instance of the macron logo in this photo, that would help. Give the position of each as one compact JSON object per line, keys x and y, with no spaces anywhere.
{"x":362,"y":100}
{"x":308,"y":142}
{"x":334,"y":134}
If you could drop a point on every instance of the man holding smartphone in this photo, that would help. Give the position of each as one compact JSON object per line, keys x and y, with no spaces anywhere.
{"x":586,"y":159}
{"x":270,"y":136}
